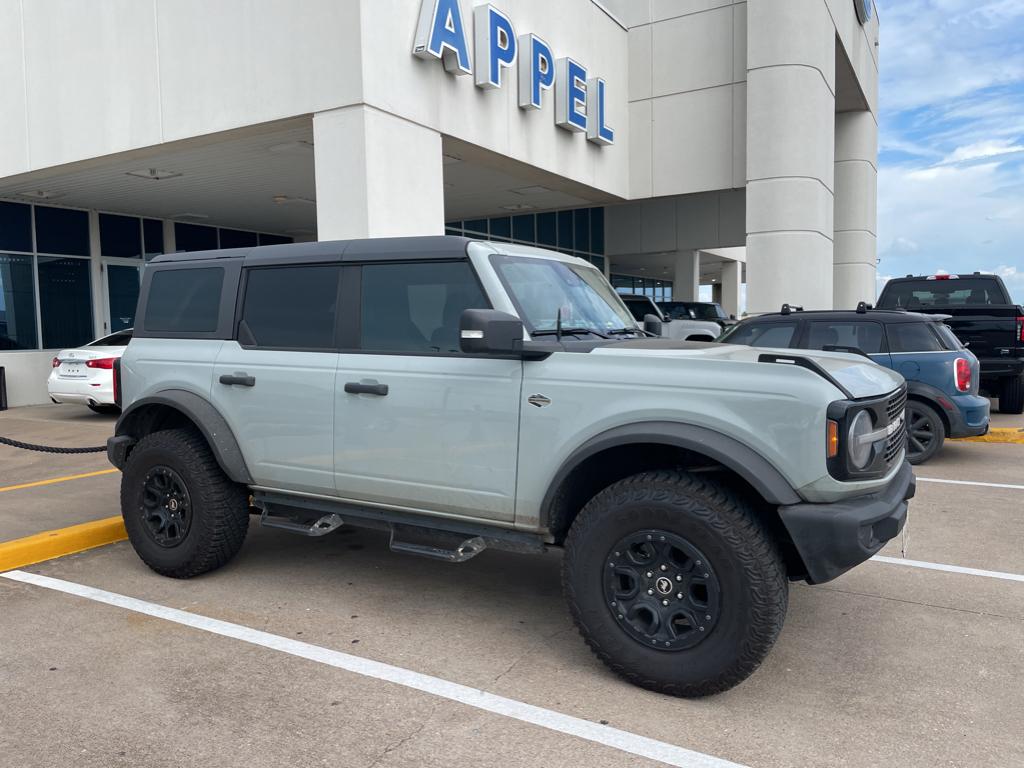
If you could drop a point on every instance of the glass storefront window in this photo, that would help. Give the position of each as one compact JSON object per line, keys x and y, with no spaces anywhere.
{"x":194,"y":237}
{"x":17,"y":303}
{"x":236,"y":238}
{"x":120,"y":236}
{"x":65,"y":301}
{"x":15,"y":227}
{"x":62,"y":230}
{"x":153,"y":236}
{"x":265,"y":239}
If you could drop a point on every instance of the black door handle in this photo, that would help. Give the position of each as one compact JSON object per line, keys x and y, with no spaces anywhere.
{"x":358,"y":388}
{"x":240,"y":379}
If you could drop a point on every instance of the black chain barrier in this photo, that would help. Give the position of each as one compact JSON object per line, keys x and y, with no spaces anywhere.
{"x":50,"y":448}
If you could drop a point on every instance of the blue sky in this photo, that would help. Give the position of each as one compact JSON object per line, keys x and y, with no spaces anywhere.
{"x":951,"y":140}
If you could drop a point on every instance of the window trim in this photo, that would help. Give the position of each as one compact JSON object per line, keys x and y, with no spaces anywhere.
{"x":355,"y":311}
{"x":243,"y":287}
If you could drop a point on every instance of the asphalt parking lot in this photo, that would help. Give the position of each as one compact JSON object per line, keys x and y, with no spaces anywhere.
{"x":336,"y":651}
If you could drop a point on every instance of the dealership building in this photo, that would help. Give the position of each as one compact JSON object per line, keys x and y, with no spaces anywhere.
{"x":673,"y":143}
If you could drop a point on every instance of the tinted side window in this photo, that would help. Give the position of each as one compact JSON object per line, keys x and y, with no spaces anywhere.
{"x":913,"y":337}
{"x":416,"y":307}
{"x":184,"y":300}
{"x":290,"y":307}
{"x":763,"y":334}
{"x":867,"y":337}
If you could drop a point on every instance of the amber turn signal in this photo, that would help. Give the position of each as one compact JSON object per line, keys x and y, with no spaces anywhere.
{"x":832,"y":439}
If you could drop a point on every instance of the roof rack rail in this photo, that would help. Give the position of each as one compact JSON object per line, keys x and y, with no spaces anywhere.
{"x":787,"y":308}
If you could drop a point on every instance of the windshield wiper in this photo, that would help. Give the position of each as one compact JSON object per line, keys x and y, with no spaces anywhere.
{"x":621,"y":331}
{"x":567,"y":332}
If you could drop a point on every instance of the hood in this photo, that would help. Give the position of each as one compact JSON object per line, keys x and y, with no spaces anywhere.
{"x":857,"y":375}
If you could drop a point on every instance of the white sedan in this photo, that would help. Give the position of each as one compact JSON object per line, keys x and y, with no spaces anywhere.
{"x":85,"y":375}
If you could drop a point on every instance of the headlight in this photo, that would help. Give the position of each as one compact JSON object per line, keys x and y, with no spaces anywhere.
{"x":860,"y":440}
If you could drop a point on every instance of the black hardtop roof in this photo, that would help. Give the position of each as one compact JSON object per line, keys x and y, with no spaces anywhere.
{"x":879,"y":315}
{"x":933,"y":278}
{"x":427,"y":247}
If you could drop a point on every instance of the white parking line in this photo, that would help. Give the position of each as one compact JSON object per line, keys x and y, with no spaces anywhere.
{"x":949,"y":568}
{"x":625,"y":741}
{"x":970,"y":482}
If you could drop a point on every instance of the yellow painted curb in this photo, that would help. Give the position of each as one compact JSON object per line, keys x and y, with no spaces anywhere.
{"x":53,"y":480}
{"x":63,"y":541}
{"x":997,"y":435}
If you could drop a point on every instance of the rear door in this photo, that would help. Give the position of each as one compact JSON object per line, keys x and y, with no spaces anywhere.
{"x":419,"y":424}
{"x":274,"y":383}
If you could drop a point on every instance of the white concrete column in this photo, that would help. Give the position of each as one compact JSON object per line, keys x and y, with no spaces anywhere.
{"x":96,"y":278}
{"x":170,"y":238}
{"x":686,"y":281}
{"x":790,"y":154}
{"x":732,"y":277}
{"x":377,"y":175}
{"x":856,"y":214}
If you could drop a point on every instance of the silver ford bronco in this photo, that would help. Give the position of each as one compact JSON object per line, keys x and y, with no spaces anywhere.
{"x":465,"y":395}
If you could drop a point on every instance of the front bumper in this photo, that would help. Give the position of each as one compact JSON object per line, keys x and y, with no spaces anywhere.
{"x":833,"y":538}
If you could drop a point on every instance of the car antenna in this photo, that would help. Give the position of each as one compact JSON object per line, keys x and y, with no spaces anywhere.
{"x":558,"y":326}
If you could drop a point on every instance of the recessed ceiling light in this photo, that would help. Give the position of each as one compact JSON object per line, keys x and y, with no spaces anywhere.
{"x":519,"y":207}
{"x":40,"y":194}
{"x":289,"y":200}
{"x":534,"y":190}
{"x":291,"y":148}
{"x":189,"y":216}
{"x":153,"y":174}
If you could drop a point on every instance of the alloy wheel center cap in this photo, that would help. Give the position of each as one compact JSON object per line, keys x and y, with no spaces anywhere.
{"x":663,"y":585}
{"x":172,"y":505}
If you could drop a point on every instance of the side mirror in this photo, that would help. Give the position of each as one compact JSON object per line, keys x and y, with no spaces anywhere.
{"x":652,"y":324}
{"x":490,"y":332}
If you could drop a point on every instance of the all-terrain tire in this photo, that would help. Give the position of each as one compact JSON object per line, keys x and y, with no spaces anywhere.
{"x":1011,"y":396}
{"x":752,"y":578}
{"x":218,"y":507}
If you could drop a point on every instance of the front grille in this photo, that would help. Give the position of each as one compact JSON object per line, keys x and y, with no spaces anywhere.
{"x":897,"y":441}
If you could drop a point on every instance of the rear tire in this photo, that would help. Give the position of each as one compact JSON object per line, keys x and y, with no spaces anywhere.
{"x":106,"y":410}
{"x":722,"y":616}
{"x":925,"y":432}
{"x":183,"y":515}
{"x":1011,"y":396}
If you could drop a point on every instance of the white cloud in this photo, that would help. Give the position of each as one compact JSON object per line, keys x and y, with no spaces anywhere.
{"x":983,"y":149}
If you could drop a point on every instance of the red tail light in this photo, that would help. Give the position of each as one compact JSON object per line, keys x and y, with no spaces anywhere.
{"x":963,"y":374}
{"x":106,"y":363}
{"x":1020,"y":328}
{"x":56,"y":361}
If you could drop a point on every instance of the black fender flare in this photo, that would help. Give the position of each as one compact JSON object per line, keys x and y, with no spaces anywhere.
{"x":727,"y":451}
{"x":931,"y":396}
{"x":201,"y":412}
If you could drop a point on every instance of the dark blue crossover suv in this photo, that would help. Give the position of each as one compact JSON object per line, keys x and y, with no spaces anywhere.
{"x":942,"y":374}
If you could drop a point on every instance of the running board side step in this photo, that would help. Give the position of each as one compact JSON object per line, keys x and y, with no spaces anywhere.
{"x":439,"y":545}
{"x":438,"y":538}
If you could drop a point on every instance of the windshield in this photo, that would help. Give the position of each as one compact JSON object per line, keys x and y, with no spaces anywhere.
{"x":541,"y":287}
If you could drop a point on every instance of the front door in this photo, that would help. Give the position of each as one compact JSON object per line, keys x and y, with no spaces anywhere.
{"x":122,"y":293}
{"x":418,"y":424}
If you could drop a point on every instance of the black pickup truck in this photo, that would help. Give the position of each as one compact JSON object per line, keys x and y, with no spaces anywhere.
{"x":982,"y":315}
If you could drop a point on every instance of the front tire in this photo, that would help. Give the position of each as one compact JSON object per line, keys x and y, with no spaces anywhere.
{"x":1011,"y":396}
{"x":183,"y":515}
{"x":645,"y":606}
{"x":925,"y":432}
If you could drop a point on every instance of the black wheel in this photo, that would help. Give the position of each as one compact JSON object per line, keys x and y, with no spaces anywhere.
{"x":106,"y":410}
{"x":1011,"y":396}
{"x":674,"y":583}
{"x":184,"y":516}
{"x":925,"y":432}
